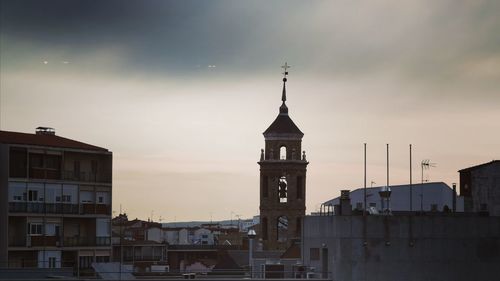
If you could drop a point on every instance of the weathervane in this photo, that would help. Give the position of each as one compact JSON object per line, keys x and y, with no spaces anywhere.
{"x":285,"y":67}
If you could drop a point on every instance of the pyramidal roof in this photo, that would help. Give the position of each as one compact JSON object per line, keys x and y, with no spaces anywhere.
{"x":283,"y":124}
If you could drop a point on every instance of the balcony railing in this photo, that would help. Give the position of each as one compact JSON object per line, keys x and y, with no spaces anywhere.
{"x":86,"y":241}
{"x":40,"y":208}
{"x":100,"y":209}
{"x":142,"y":258}
{"x":57,"y":241}
{"x":39,"y":241}
{"x":44,"y":173}
{"x":86,"y":176}
{"x":103,"y":241}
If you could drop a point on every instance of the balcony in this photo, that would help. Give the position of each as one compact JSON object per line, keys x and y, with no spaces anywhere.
{"x":45,"y":241}
{"x":99,"y":209}
{"x":86,"y":241}
{"x":142,"y":258}
{"x":86,"y":176}
{"x":42,"y":208}
{"x":44,"y":173}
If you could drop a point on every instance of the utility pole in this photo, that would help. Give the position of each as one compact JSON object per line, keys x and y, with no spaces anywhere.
{"x":411,"y":186}
{"x":364,"y":195}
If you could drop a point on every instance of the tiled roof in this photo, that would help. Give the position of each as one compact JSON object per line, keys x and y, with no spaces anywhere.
{"x":283,"y":124}
{"x":45,"y":140}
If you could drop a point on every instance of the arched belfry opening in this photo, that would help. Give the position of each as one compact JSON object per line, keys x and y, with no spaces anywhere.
{"x":283,"y":152}
{"x":283,"y":182}
{"x":282,"y":190}
{"x":282,"y":226}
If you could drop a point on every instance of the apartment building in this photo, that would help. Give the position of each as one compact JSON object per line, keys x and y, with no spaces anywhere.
{"x":55,"y":201}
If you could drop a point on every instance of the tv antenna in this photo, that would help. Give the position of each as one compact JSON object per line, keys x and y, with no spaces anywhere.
{"x":426,"y":164}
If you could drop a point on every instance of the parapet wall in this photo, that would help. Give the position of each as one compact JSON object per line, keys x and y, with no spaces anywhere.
{"x":404,"y":247}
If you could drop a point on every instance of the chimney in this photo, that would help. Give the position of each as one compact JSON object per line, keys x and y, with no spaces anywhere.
{"x":345,"y":203}
{"x":45,"y":131}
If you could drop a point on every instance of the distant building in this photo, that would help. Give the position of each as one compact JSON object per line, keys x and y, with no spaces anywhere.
{"x":139,"y":244}
{"x":146,"y":244}
{"x":480,"y":186}
{"x":55,"y":201}
{"x":432,"y":196}
{"x":245,"y":225}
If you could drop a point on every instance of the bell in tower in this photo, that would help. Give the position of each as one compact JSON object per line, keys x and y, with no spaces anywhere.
{"x":282,"y":180}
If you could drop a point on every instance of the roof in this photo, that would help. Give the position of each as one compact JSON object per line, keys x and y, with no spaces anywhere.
{"x":433,"y":193}
{"x":283,"y":124}
{"x":479,"y":166}
{"x":45,"y":140}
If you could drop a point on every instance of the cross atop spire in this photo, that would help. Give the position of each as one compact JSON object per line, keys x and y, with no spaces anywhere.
{"x":285,"y":67}
{"x":283,"y":108}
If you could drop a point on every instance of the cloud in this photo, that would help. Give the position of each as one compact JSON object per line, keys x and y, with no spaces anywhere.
{"x":421,"y":72}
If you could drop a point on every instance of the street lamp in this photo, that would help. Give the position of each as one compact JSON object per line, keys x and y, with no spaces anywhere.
{"x":251,"y":235}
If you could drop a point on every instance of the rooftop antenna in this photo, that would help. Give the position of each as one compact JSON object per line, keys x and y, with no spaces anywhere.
{"x":425,"y":165}
{"x":411,"y":184}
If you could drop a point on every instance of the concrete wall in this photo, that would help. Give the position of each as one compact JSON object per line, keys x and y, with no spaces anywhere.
{"x":485,"y":183}
{"x":403,"y":248}
{"x":4,"y":206}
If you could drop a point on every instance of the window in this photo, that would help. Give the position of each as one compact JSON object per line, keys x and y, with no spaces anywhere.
{"x":52,"y":262}
{"x":300,"y":188}
{"x":18,"y":162}
{"x":282,"y":190}
{"x":76,"y":167}
{"x":66,"y":198}
{"x":35,"y":229}
{"x":32,"y":195}
{"x":36,"y":160}
{"x":204,"y":236}
{"x":52,"y":162}
{"x":101,"y":199}
{"x":314,"y":254}
{"x":283,"y":153}
{"x":17,"y":198}
{"x":359,"y":205}
{"x":265,"y":186}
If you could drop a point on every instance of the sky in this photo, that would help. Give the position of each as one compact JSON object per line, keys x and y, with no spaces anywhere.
{"x":181,"y":91}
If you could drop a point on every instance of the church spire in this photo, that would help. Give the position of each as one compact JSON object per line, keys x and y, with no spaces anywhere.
{"x":283,"y":107}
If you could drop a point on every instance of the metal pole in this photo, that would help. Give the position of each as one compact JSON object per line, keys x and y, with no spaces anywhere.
{"x":387,"y":165}
{"x":364,"y":195}
{"x":422,"y":190}
{"x":250,"y":250}
{"x":387,"y":199}
{"x":121,"y":239}
{"x":411,"y":186}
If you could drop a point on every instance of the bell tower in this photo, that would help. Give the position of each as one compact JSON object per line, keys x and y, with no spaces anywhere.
{"x":283,"y":167}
